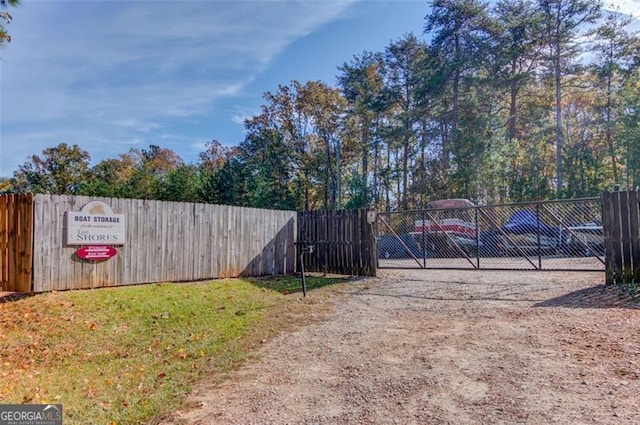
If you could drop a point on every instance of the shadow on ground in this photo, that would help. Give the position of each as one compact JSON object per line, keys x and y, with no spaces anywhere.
{"x":601,"y":296}
{"x":293,"y":283}
{"x":7,"y":297}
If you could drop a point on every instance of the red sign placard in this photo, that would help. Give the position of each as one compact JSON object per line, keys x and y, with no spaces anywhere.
{"x":96,"y":252}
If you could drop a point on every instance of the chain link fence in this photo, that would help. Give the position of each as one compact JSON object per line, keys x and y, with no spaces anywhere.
{"x":552,"y":235}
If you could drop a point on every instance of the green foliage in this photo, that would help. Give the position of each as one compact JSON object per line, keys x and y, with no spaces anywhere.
{"x":181,"y":184}
{"x":61,"y":171}
{"x":228,"y":185}
{"x":132,"y":354}
{"x":500,"y":105}
{"x":268,"y":170}
{"x":5,"y":19}
{"x":7,"y":185}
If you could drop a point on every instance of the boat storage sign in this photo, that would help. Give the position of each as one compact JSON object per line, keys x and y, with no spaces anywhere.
{"x":95,"y":224}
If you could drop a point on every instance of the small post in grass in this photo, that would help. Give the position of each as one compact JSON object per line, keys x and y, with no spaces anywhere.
{"x":309,"y":249}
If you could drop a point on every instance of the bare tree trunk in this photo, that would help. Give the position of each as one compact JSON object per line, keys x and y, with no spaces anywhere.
{"x":513,"y":106}
{"x":608,"y":135}
{"x":558,"y":124}
{"x":366,"y":135}
{"x":405,"y":175}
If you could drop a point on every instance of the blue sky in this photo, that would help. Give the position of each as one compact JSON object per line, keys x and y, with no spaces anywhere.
{"x":114,"y":75}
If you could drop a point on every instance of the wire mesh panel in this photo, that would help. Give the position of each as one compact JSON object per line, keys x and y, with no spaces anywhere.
{"x":554,"y":235}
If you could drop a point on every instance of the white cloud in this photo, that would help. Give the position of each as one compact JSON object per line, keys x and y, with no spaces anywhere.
{"x":240,"y":115}
{"x":627,"y":7}
{"x":108,"y":71}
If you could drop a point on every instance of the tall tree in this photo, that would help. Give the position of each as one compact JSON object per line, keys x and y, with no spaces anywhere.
{"x":153,"y":165}
{"x":461,"y":44}
{"x":282,"y":115}
{"x":402,"y":80}
{"x":7,"y":185}
{"x":60,"y":171}
{"x":564,"y":24}
{"x":325,"y":108}
{"x":459,"y":31}
{"x":5,"y":19}
{"x":613,"y":64}
{"x":228,"y":182}
{"x":181,"y":184}
{"x":268,"y":166}
{"x":109,"y":176}
{"x":630,"y":119}
{"x":518,"y":43}
{"x":214,"y":156}
{"x":361,"y":81}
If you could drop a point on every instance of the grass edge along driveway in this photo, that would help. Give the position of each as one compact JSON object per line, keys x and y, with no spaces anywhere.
{"x":131,"y":354}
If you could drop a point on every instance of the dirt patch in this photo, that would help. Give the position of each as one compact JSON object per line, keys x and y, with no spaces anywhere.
{"x":446,"y":347}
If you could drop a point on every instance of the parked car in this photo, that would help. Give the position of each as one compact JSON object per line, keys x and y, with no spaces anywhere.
{"x":396,"y":247}
{"x":585,"y":239}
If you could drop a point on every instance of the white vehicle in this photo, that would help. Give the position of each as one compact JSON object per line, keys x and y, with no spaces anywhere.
{"x":586,"y":239}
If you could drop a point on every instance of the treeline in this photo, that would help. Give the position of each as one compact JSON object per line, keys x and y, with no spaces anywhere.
{"x":522,"y":100}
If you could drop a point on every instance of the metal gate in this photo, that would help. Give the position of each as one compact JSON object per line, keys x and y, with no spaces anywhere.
{"x":549,"y":235}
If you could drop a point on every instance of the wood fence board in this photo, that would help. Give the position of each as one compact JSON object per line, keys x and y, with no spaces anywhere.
{"x":23,"y":243}
{"x":164,"y":241}
{"x":341,"y":240}
{"x":625,"y":232}
{"x":174,"y":220}
{"x":621,"y":227}
{"x":11,"y":224}
{"x":27,"y":205}
{"x":607,"y":224}
{"x":16,"y":242}
{"x":616,"y":237}
{"x":4,"y":246}
{"x":197,"y":249}
{"x":634,"y":226}
{"x":215,"y":218}
{"x":253,"y":256}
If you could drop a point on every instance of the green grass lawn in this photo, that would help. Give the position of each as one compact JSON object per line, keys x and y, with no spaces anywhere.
{"x":131,"y":354}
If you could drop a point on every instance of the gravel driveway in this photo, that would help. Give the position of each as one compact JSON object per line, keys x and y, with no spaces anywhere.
{"x":445,"y":347}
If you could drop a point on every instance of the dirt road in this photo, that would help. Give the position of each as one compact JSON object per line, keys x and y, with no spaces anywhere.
{"x":446,"y":347}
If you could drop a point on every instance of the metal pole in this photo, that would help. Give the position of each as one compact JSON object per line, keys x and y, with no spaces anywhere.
{"x":304,"y":281}
{"x":538,"y":234}
{"x":475,"y":211}
{"x":423,"y":241}
{"x":308,"y":249}
{"x":339,"y":189}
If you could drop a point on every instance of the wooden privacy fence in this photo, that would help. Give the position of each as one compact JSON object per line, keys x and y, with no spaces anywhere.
{"x":16,"y":236}
{"x":620,"y":220}
{"x":343,"y":242}
{"x":164,"y":241}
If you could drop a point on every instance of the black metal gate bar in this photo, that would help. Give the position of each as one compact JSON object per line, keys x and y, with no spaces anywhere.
{"x":408,"y":250}
{"x":573,"y":233}
{"x":510,"y":240}
{"x":548,"y":235}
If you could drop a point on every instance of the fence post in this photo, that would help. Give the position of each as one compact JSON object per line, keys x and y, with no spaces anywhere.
{"x":16,"y":242}
{"x":625,"y":230}
{"x":621,"y":228}
{"x":634,"y":218}
{"x":368,"y":244}
{"x":608,"y":242}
